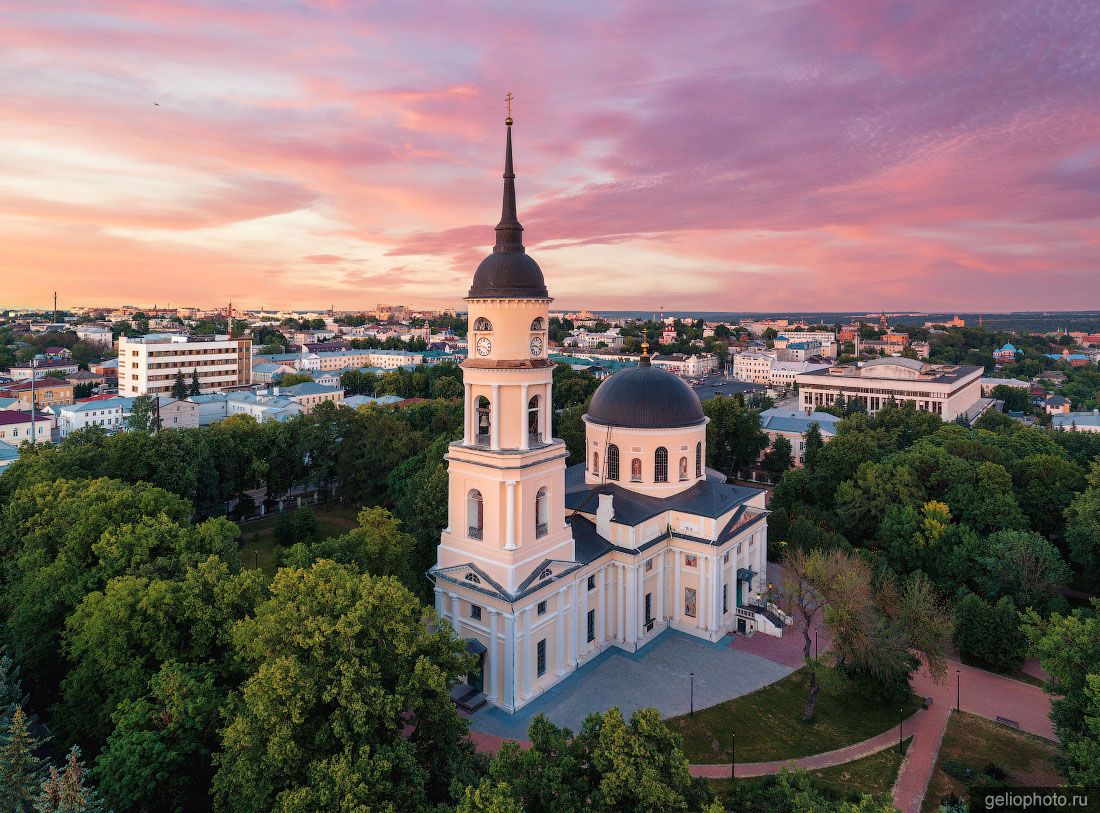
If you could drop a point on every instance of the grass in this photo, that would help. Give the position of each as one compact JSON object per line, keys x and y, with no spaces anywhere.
{"x":769,"y":726}
{"x":873,"y":774}
{"x":257,"y":548}
{"x":1029,"y":761}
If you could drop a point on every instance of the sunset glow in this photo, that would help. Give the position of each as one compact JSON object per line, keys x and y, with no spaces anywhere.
{"x":722,"y":156}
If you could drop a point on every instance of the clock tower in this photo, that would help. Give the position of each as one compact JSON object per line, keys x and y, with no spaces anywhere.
{"x":506,"y":513}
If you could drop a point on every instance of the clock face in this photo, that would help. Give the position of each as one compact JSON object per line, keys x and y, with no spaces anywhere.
{"x":536,"y":345}
{"x":484,"y":346}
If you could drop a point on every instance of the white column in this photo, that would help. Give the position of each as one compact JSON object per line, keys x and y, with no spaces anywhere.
{"x":560,"y":635}
{"x":529,"y":654}
{"x":717,"y":615}
{"x":701,"y":608}
{"x":510,"y":661}
{"x":494,"y":427}
{"x":620,"y":604}
{"x":630,"y":630}
{"x":641,"y":602}
{"x":580,"y":607}
{"x":491,"y":658}
{"x":601,"y":611}
{"x":678,"y":593}
{"x":661,"y":587}
{"x":510,"y":517}
{"x":544,"y":413}
{"x":574,"y":633}
{"x":439,"y":603}
{"x":523,"y":435}
{"x":469,"y":418}
{"x":454,"y":615}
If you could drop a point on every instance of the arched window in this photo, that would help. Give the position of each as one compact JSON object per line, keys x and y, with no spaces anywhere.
{"x":472,"y":577}
{"x":542,"y":512}
{"x":481,"y":323}
{"x":534,"y":428}
{"x":484,"y":419}
{"x":612,"y":462}
{"x":660,"y":465}
{"x":538,"y":324}
{"x":596,"y":463}
{"x":699,"y":459}
{"x":683,"y":468}
{"x":475,"y":514}
{"x":636,"y":470}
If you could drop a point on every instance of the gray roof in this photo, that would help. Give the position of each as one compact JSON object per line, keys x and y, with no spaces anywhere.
{"x":645,"y":397}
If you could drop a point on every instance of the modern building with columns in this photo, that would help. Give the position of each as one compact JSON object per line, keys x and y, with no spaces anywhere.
{"x":542,"y":567}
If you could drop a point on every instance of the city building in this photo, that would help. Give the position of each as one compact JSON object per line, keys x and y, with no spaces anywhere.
{"x":693,"y":366}
{"x":987,"y":384}
{"x":800,"y":351}
{"x":793,"y":425}
{"x":16,"y":427}
{"x":181,"y":414}
{"x":95,"y":334}
{"x":148,"y":365}
{"x":1006,"y":354}
{"x":110,"y":412}
{"x":1056,"y":404}
{"x":541,"y":568}
{"x":783,"y":373}
{"x":43,"y":392}
{"x":944,"y":389}
{"x":309,"y":394}
{"x":1072,"y":359}
{"x":1076,"y":421}
{"x":753,"y":367}
{"x":23,"y":372}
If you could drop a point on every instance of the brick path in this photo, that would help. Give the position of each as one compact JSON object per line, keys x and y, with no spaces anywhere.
{"x":920,"y":759}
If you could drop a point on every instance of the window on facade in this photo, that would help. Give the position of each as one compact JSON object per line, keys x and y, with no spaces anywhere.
{"x":481,"y":323}
{"x":660,"y":465}
{"x":683,"y":468}
{"x":534,"y":428}
{"x":540,"y":668}
{"x":648,"y":565}
{"x":636,"y":470}
{"x":699,"y":459}
{"x":596,"y":463}
{"x":689,"y":602}
{"x":591,"y":582}
{"x":591,"y":626}
{"x":690,"y":560}
{"x":612,"y":462}
{"x":541,"y":609}
{"x":475,"y":612}
{"x":475,"y":514}
{"x":538,"y":324}
{"x":725,"y":599}
{"x":738,"y":548}
{"x":542,"y":512}
{"x":472,"y":578}
{"x":726,"y":558}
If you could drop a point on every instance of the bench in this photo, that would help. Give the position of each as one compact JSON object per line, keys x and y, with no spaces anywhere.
{"x":1007,"y":722}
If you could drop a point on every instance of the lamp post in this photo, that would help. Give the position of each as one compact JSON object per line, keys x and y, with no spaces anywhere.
{"x":958,"y":689}
{"x":901,"y":726}
{"x":733,"y":756}
{"x":692,"y":707}
{"x":815,"y":644}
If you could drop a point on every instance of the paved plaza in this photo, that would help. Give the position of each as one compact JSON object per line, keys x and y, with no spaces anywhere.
{"x":657,"y":676}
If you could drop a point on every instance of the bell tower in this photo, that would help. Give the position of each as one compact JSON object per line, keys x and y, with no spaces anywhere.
{"x":506,"y":511}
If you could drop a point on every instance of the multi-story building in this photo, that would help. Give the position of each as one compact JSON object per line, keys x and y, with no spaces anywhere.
{"x":944,"y":389}
{"x":823,"y":337}
{"x":63,"y":367}
{"x":693,"y":366}
{"x":1077,"y":421}
{"x":148,"y":365}
{"x":43,"y":393}
{"x":541,"y":568}
{"x":783,"y":372}
{"x":753,"y":367}
{"x":15,"y":427}
{"x":107,"y":411}
{"x":793,"y":425}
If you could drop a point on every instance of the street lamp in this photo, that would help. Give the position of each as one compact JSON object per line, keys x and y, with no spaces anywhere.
{"x":901,"y":726}
{"x":692,"y":694}
{"x":815,"y":643}
{"x":958,"y":689}
{"x":733,"y":756}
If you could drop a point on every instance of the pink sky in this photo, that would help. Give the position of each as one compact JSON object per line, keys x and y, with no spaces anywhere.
{"x":754,"y":155}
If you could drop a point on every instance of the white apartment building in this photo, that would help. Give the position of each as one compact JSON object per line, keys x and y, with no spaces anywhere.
{"x":945,"y":389}
{"x":693,"y":366}
{"x":94,"y":334}
{"x":110,"y":413}
{"x":822,"y":337}
{"x":590,"y":341}
{"x":783,"y":372}
{"x":15,"y":426}
{"x":148,"y":365}
{"x":756,"y":368}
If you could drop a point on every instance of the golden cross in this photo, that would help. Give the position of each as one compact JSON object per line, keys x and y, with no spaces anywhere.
{"x":508,"y":100}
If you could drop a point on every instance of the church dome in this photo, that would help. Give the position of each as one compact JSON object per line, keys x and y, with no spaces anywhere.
{"x":645,"y":397}
{"x":508,"y":274}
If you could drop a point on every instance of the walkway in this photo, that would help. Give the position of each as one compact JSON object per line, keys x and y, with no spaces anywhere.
{"x":656,"y":676}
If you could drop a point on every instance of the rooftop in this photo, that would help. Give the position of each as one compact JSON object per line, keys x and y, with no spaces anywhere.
{"x":898,"y":368}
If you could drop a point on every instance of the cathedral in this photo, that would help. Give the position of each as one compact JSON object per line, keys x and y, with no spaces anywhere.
{"x":542,"y":566}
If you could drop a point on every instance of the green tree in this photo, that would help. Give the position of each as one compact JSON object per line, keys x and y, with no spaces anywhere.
{"x":609,"y":766}
{"x":734,"y":437}
{"x":1045,"y":485}
{"x":66,"y":791}
{"x":813,"y":442}
{"x":21,"y":771}
{"x":778,"y":458}
{"x":195,"y":388}
{"x":378,"y":546}
{"x":1016,"y":399}
{"x":989,"y":635}
{"x":158,"y":754}
{"x":1083,"y":527}
{"x":143,"y":415}
{"x":355,"y":714}
{"x":179,"y":386}
{"x":863,"y":501}
{"x":1023,"y":566}
{"x":290,"y":379}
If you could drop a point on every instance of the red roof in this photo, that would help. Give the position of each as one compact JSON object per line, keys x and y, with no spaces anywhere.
{"x":10,"y":416}
{"x":105,"y":397}
{"x":25,"y":386}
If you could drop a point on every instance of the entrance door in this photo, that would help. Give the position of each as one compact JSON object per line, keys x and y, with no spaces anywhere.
{"x":648,"y":612}
{"x":740,"y":588}
{"x":476,"y":679}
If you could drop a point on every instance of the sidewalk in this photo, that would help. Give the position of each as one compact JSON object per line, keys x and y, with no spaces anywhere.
{"x":916,"y":770}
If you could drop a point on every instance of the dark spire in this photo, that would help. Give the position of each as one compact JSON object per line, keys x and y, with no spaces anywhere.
{"x":509,"y":230}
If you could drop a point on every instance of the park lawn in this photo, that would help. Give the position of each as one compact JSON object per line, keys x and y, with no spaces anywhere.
{"x":874,"y":774}
{"x":1029,"y":761}
{"x":768,"y":722}
{"x":257,"y":548}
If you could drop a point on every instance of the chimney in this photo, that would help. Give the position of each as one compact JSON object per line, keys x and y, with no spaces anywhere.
{"x":604,"y":511}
